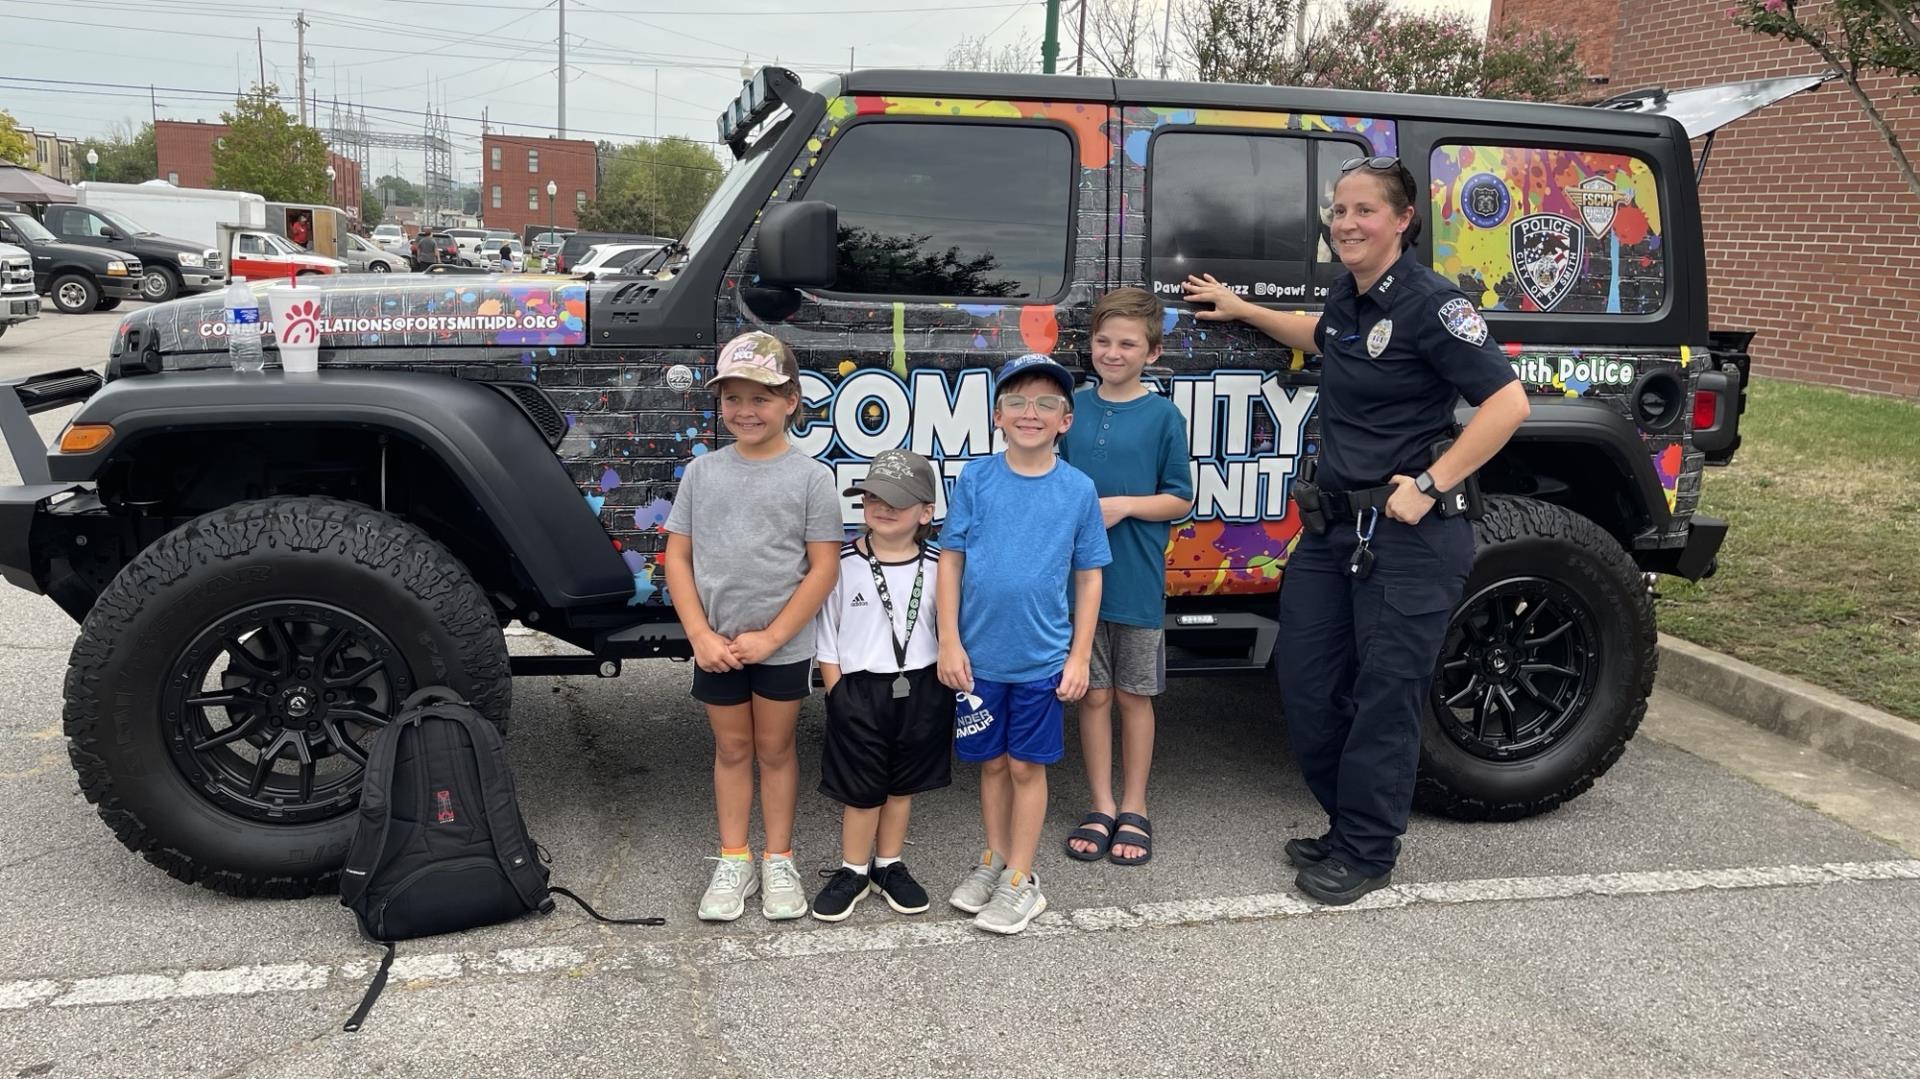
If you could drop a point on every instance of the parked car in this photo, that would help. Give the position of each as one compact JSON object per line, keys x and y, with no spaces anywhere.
{"x":602,"y":260}
{"x":443,"y":249}
{"x":266,"y":256}
{"x":364,"y":257}
{"x":75,"y":277}
{"x":170,"y":266}
{"x":250,"y":543}
{"x":467,"y":240}
{"x":388,"y":235}
{"x":575,"y":247}
{"x":18,"y":301}
{"x":515,"y":261}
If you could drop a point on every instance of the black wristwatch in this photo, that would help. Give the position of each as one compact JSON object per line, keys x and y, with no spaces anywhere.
{"x":1425,"y":485}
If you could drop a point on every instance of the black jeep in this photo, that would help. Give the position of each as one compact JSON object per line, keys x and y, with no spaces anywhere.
{"x":263,"y":566}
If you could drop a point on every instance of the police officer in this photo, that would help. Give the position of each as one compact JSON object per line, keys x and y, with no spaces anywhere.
{"x":1366,"y":600}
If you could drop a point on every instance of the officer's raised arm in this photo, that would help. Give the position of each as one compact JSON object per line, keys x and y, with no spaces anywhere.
{"x":1292,"y":329}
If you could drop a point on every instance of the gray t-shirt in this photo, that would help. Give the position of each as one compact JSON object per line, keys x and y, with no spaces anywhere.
{"x":750,"y":522}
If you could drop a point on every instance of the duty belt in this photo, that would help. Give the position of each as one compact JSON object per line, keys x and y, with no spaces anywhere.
{"x":1346,"y":505}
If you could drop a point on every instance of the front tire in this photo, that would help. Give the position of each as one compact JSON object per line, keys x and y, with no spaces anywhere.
{"x":74,"y":294}
{"x":226,"y":685}
{"x":1546,"y":669}
{"x":158,"y":284}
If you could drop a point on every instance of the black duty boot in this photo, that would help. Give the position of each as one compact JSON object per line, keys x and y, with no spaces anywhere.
{"x":1335,"y":883}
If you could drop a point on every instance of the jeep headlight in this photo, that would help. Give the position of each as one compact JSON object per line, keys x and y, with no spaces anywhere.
{"x":117,"y":268}
{"x":190,"y":260}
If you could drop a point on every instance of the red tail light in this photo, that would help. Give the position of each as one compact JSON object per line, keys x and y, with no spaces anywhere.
{"x":1706,"y":409}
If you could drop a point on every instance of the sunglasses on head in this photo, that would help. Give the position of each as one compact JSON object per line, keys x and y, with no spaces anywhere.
{"x":1379,"y":164}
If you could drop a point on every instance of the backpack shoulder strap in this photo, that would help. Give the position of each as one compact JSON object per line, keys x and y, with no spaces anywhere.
{"x":376,"y":812}
{"x":510,"y":837}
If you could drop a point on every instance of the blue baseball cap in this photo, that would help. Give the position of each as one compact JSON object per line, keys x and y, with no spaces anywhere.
{"x":1034,"y":363}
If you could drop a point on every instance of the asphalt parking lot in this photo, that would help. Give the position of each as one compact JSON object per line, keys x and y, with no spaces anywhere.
{"x":1717,"y":905}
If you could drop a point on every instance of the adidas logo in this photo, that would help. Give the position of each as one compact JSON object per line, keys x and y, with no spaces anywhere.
{"x":859,"y":600}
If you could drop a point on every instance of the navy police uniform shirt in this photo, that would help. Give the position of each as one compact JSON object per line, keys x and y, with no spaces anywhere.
{"x":1393,"y":361}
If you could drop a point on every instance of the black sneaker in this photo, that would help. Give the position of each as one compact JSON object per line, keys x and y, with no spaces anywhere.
{"x":899,"y":889}
{"x":844,"y":891}
{"x":1305,"y":852}
{"x":1336,"y":883}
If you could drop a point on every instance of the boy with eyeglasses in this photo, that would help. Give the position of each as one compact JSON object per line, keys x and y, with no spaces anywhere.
{"x":1020,"y":525}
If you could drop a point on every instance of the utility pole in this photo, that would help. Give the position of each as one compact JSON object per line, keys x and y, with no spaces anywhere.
{"x":1166,"y":36}
{"x":260,"y":47}
{"x":300,"y":66}
{"x":1050,"y":46}
{"x":1080,"y":41}
{"x":563,"y":70}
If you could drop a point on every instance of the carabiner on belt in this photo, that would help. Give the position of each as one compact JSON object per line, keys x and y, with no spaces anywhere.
{"x":1361,"y":564}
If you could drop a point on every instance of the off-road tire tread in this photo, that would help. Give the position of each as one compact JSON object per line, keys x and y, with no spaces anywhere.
{"x":373,"y":539}
{"x":1507,"y":519}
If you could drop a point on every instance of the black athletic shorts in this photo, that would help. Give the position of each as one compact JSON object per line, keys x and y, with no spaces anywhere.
{"x":878,"y":746}
{"x":772,"y":681}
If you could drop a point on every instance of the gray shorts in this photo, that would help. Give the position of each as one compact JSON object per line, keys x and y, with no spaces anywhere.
{"x":1131,"y":659}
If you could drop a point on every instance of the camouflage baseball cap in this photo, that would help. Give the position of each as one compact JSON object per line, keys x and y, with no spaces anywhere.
{"x":757,"y":357}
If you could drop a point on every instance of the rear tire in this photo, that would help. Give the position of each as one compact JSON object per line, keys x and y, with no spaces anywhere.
{"x":225,"y":686}
{"x":107,"y":303}
{"x":1546,"y":668}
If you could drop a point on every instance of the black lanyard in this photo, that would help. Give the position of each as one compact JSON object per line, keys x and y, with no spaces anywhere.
{"x":886,"y":600}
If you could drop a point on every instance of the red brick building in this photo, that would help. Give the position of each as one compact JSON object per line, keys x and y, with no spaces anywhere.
{"x":185,"y":154}
{"x":515,"y":170}
{"x":1591,"y":22}
{"x":1809,"y":226}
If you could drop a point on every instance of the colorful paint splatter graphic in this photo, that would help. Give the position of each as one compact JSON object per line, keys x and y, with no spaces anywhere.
{"x":1535,"y":229}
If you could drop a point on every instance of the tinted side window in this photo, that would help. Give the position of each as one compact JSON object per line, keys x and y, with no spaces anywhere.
{"x":1248,"y":209}
{"x":945,"y":209}
{"x":1548,"y":229}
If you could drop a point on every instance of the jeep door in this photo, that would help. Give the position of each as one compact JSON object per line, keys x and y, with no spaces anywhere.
{"x":970,"y":231}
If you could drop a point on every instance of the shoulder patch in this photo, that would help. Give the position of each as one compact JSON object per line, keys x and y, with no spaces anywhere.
{"x":1462,"y":321}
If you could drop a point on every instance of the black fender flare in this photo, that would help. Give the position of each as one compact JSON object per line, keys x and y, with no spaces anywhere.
{"x":1601,"y":425}
{"x":483,"y":438}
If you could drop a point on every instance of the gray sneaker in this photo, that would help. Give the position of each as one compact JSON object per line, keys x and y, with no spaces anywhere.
{"x":1012,"y":908}
{"x":734,"y":881}
{"x":784,"y":898}
{"x":976,"y":890}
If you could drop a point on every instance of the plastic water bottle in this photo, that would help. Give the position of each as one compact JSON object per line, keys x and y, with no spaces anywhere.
{"x":243,"y":328}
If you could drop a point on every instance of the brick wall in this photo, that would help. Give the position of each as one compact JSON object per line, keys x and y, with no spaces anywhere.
{"x":1810,"y":230}
{"x":571,"y":164}
{"x":1592,"y":22}
{"x":185,"y":155}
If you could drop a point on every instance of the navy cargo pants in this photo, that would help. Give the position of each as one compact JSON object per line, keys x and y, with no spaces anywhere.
{"x":1356,"y":658}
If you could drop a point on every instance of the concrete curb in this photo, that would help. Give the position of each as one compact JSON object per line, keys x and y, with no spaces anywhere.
{"x":1846,"y":730}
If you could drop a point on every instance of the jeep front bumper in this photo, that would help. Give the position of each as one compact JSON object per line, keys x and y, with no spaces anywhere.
{"x":23,"y":505}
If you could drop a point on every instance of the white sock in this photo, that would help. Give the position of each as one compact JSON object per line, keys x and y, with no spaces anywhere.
{"x":882,"y":863}
{"x":860,"y":869}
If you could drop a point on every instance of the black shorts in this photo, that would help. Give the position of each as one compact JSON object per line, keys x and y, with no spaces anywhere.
{"x":878,"y":746}
{"x":771,"y":681}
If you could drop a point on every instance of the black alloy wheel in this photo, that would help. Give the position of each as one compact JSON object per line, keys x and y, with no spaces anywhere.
{"x":1516,"y":670}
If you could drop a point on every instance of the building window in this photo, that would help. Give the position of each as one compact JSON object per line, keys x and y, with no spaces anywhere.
{"x":496,"y":196}
{"x":173,"y":178}
{"x":533,"y":161}
{"x":579,"y":201}
{"x":533,"y":198}
{"x":496,"y":159}
{"x":912,"y":197}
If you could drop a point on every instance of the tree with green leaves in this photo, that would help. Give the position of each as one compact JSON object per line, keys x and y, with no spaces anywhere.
{"x":15,"y":147}
{"x":652,"y":188}
{"x":397,"y":191}
{"x":267,"y":152}
{"x":371,"y":211}
{"x":1855,"y":38}
{"x":127,"y":156}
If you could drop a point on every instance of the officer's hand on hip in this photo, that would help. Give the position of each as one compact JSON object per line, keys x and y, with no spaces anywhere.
{"x":1407,"y":505}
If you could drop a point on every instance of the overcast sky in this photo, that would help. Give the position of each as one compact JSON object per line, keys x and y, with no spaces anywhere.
{"x":497,"y":55}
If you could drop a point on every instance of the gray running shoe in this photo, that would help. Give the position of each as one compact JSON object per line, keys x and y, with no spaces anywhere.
{"x":976,"y":890}
{"x":734,"y":881}
{"x":784,"y":898}
{"x":1012,"y":908}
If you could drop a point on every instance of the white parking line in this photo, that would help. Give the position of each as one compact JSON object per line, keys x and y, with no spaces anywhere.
{"x":440,"y":967}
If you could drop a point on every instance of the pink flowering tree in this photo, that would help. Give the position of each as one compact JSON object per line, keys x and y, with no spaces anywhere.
{"x":1857,"y":38}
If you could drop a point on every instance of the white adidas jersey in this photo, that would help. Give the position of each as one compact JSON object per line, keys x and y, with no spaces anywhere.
{"x":852,"y":626}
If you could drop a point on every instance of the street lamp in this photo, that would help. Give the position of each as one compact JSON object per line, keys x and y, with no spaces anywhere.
{"x":552,"y":190}
{"x":332,"y":195}
{"x":93,"y":160}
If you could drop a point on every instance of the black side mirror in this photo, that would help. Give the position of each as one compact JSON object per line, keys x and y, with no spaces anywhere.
{"x":110,"y":232}
{"x":798,"y":245}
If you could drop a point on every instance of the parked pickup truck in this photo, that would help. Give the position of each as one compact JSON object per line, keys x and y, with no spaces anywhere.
{"x":76,"y":278}
{"x":170,"y":266}
{"x":18,"y":302}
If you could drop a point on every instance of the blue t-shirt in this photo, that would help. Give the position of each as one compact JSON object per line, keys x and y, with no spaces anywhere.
{"x":1023,"y":536}
{"x":1136,"y":447}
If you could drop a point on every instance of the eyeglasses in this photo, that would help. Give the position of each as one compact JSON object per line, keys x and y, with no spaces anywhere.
{"x":1049,"y":404}
{"x":1381,"y":164}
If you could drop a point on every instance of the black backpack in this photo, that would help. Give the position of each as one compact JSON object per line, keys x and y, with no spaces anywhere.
{"x":440,"y":845}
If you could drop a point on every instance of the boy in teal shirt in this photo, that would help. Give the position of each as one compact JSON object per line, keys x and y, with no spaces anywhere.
{"x":1133,"y":444}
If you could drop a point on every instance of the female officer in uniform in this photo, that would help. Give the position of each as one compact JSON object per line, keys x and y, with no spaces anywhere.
{"x":1365,"y":604}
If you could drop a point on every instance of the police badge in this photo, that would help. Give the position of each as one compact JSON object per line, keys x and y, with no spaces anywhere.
{"x":1485,"y":200}
{"x":1378,"y":337}
{"x":1598,"y":201}
{"x":1548,"y":251}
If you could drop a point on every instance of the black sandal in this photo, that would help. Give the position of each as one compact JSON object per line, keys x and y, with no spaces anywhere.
{"x":1100,"y":842}
{"x":1142,"y":837}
